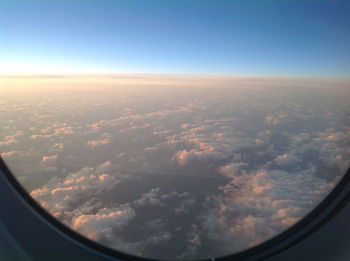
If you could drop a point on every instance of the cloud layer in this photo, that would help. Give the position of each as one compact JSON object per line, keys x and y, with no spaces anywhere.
{"x":179,"y":173}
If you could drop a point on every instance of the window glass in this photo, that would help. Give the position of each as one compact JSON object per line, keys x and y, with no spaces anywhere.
{"x":199,"y":152}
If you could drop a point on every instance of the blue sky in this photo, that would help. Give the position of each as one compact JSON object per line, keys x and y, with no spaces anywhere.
{"x":185,"y":37}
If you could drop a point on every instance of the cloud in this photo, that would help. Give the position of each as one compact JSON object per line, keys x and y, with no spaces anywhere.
{"x":40,"y":136}
{"x":184,"y":206}
{"x":279,"y":117}
{"x":210,"y":140}
{"x":185,"y":156}
{"x":286,"y":160}
{"x":57,"y":147}
{"x":150,"y":149}
{"x":168,"y":112}
{"x":11,"y":139}
{"x":156,"y":197}
{"x":277,"y":153}
{"x":194,"y":242}
{"x":95,"y":143}
{"x":49,"y":160}
{"x":61,"y":196}
{"x":67,"y":130}
{"x":232,"y":169}
{"x":162,"y":132}
{"x":328,"y":147}
{"x":52,"y":130}
{"x":48,"y":163}
{"x":11,"y":154}
{"x":150,"y":198}
{"x":58,"y":130}
{"x":255,"y":206}
{"x":139,"y":247}
{"x":103,"y":225}
{"x":105,"y":138}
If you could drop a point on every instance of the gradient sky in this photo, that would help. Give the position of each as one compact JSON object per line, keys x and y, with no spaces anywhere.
{"x":186,"y":37}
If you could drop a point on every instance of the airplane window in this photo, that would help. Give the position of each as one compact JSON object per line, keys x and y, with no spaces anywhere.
{"x":188,"y":151}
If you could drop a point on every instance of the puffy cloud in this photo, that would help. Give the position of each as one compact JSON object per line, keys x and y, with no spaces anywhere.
{"x":40,"y":136}
{"x":140,"y":246}
{"x":63,"y":131}
{"x":11,"y":154}
{"x":278,"y":155}
{"x":277,"y":118}
{"x":151,"y":148}
{"x":184,"y":206}
{"x":54,"y":131}
{"x":156,"y":197}
{"x":161,"y":132}
{"x":48,"y":163}
{"x":212,"y":139}
{"x":327,"y":147}
{"x":286,"y":160}
{"x":95,"y":143}
{"x":168,"y":112}
{"x":61,"y":196}
{"x":57,"y":147}
{"x":58,"y":129}
{"x":49,"y":159}
{"x":233,"y":169}
{"x":11,"y":139}
{"x":103,"y":225}
{"x":194,"y":242}
{"x":255,"y":206}
{"x":160,"y":237}
{"x":105,"y":138}
{"x":185,"y":156}
{"x":150,"y":198}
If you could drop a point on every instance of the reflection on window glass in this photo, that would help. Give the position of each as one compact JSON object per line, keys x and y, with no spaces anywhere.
{"x":204,"y":161}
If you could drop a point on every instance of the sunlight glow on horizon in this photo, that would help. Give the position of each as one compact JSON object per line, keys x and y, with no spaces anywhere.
{"x":23,"y":69}
{"x":93,"y":81}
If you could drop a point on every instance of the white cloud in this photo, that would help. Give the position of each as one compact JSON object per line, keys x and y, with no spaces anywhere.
{"x":274,"y":153}
{"x":194,"y":242}
{"x":57,"y":147}
{"x":150,"y":198}
{"x":255,"y":206}
{"x":233,"y":169}
{"x":286,"y":160}
{"x":150,"y":149}
{"x":11,"y":139}
{"x":59,"y":196}
{"x":103,"y":225}
{"x":184,"y":206}
{"x":211,"y":140}
{"x":11,"y":154}
{"x":95,"y":143}
{"x":104,"y":139}
{"x":185,"y":156}
{"x":49,"y":160}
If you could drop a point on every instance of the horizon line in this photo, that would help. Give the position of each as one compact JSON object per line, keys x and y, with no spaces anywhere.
{"x":58,"y":75}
